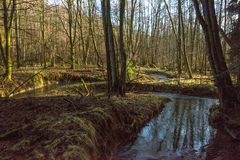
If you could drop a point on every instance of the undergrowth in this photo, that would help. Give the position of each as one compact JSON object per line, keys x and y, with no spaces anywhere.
{"x":72,"y":127}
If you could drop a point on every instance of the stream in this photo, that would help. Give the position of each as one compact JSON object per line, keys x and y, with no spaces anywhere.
{"x":160,"y":76}
{"x":39,"y":91}
{"x":180,"y":131}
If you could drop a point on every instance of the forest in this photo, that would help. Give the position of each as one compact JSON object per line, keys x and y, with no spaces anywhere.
{"x":120,"y":79}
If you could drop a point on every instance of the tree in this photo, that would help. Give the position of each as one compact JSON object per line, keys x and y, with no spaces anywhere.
{"x":180,"y":38}
{"x":229,"y":100}
{"x":123,"y":57}
{"x":234,"y":39}
{"x":92,"y":31}
{"x":85,"y":45}
{"x":17,"y":35}
{"x":8,"y":10}
{"x":71,"y":28}
{"x":131,"y":29}
{"x":42,"y":30}
{"x":116,"y":81}
{"x":110,"y":48}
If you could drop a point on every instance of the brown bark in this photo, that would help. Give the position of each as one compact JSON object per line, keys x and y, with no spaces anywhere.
{"x":110,"y":49}
{"x":238,"y":78}
{"x":8,"y":15}
{"x":122,"y":52}
{"x":227,"y":94}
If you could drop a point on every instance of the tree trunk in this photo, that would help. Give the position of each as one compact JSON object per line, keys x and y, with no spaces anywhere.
{"x":123,"y":57}
{"x":42,"y":30}
{"x":72,"y":21}
{"x":110,"y":48}
{"x":179,"y":41}
{"x":131,"y":29}
{"x":238,"y":78}
{"x":92,"y":32}
{"x":9,"y":64}
{"x":227,"y":94}
{"x":182,"y":40}
{"x":2,"y":51}
{"x":7,"y":23}
{"x":18,"y":51}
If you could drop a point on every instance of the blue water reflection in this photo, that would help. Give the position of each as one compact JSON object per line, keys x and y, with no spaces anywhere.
{"x":160,"y":76}
{"x":181,"y":131}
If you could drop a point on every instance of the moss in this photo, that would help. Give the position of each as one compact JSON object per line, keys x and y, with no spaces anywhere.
{"x":131,"y":71}
{"x":38,"y":80}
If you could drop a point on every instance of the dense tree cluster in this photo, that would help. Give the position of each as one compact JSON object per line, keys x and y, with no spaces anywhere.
{"x":71,"y":33}
{"x":157,"y":33}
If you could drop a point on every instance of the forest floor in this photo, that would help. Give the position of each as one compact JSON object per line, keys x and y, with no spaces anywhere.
{"x":72,"y":127}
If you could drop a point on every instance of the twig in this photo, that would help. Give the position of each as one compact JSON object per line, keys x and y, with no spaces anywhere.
{"x":71,"y":103}
{"x":14,"y":90}
{"x":85,"y":87}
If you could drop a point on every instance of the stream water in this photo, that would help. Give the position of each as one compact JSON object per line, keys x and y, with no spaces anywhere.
{"x":160,"y":76}
{"x":38,"y":91}
{"x":181,"y":131}
{"x":47,"y":89}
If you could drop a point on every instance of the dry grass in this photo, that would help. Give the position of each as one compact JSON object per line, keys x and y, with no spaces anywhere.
{"x":173,"y":79}
{"x":198,"y":86}
{"x":71,"y":127}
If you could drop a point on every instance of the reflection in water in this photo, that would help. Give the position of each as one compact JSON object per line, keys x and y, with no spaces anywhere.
{"x":160,"y":76}
{"x":179,"y":132}
{"x":38,"y":91}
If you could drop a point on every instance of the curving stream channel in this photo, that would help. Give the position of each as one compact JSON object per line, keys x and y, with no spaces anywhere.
{"x":180,"y":132}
